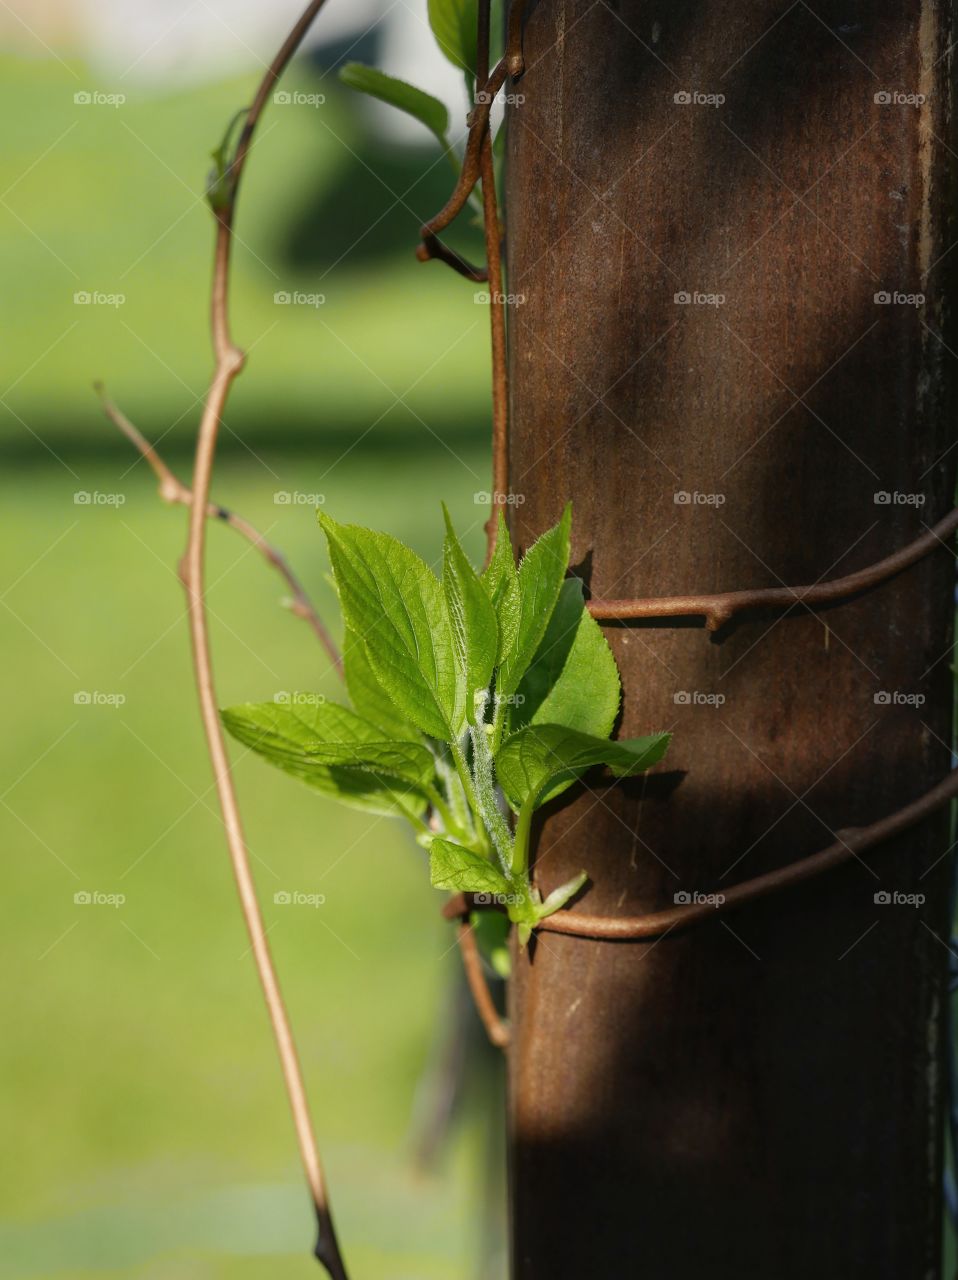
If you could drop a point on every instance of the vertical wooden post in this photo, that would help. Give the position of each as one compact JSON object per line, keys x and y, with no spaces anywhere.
{"x":730,"y":230}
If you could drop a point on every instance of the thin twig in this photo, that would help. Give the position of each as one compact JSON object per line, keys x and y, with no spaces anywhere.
{"x":496,"y":1029}
{"x":849,"y":844}
{"x":487,"y":87}
{"x":174,"y":491}
{"x":229,"y":361}
{"x":720,"y":609}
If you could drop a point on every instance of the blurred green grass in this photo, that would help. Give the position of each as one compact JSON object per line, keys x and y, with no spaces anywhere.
{"x":109,"y":200}
{"x":149,"y":1127}
{"x":145,"y":1127}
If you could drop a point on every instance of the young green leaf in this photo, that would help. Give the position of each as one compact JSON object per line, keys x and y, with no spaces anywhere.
{"x":502,"y":583}
{"x":454,"y":24}
{"x":474,"y":627}
{"x":573,"y":679}
{"x":337,"y":752}
{"x":219,"y":181}
{"x":540,"y":761}
{"x":462,"y":871}
{"x":540,"y":576}
{"x":367,"y":695}
{"x":395,"y":605}
{"x":397,"y":93}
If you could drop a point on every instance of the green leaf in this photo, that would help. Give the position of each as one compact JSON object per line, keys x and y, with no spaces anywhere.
{"x":336,"y":751}
{"x":540,"y":761}
{"x":540,"y":575}
{"x":573,"y":679}
{"x":502,"y":583}
{"x":462,"y":871}
{"x":397,"y":93}
{"x":367,"y":695}
{"x":454,"y":24}
{"x":395,"y":605}
{"x":474,"y":627}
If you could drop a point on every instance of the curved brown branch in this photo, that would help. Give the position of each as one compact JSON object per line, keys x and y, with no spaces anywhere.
{"x":228,"y":363}
{"x":850,"y":844}
{"x":496,"y":1029}
{"x":487,"y":87}
{"x":720,"y":609}
{"x":174,"y":491}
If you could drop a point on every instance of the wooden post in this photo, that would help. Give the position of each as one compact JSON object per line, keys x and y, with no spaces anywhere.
{"x":710,"y":205}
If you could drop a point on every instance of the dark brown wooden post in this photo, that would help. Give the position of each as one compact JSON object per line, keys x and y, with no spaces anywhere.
{"x":710,"y":204}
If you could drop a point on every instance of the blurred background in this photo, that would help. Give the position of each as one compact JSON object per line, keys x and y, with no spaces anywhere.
{"x":145,"y":1128}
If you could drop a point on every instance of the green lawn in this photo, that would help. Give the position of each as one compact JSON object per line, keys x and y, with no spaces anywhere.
{"x":144,"y":1123}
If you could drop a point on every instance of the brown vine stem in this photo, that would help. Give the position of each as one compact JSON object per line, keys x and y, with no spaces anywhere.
{"x":487,"y":87}
{"x":496,"y":1029}
{"x":720,"y":609}
{"x":228,"y":363}
{"x":849,"y":844}
{"x":174,"y":491}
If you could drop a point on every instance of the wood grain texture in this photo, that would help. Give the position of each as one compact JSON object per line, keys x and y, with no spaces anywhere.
{"x":760,"y":1098}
